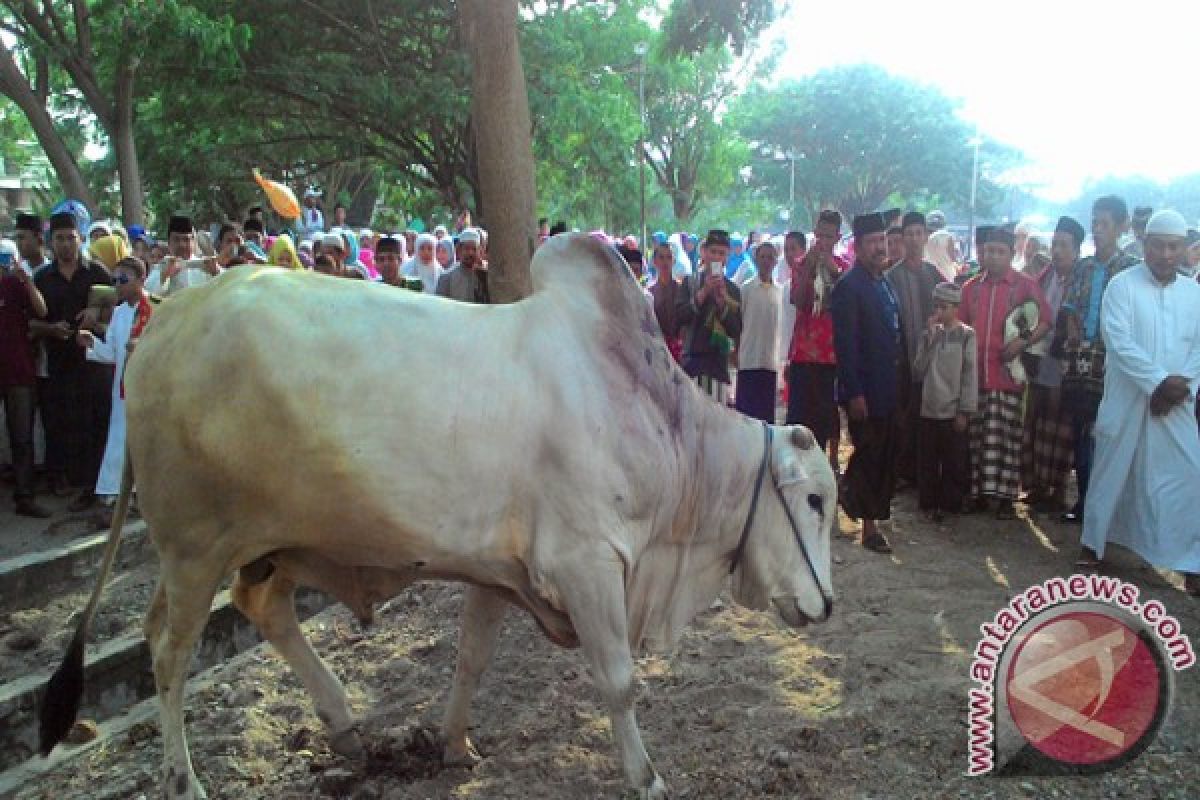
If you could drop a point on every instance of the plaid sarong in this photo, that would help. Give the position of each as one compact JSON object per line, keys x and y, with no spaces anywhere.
{"x":996,"y":446}
{"x":1048,"y":447}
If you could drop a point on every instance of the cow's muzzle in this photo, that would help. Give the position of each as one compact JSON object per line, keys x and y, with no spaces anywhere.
{"x":790,"y":610}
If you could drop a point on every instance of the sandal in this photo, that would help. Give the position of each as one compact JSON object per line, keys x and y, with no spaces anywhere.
{"x":877,"y":543}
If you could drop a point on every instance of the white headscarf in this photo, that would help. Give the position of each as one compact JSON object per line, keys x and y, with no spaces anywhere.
{"x":939,"y":251}
{"x":428,"y":271}
{"x":446,"y":243}
{"x":683,"y":264}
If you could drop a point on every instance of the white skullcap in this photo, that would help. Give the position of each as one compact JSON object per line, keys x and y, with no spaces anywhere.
{"x":1167,"y":223}
{"x":333,"y":240}
{"x":469,"y":235}
{"x":100,"y":226}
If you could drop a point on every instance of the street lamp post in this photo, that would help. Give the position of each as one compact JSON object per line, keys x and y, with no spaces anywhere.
{"x":975,"y":142}
{"x":792,"y":186}
{"x":641,"y":48}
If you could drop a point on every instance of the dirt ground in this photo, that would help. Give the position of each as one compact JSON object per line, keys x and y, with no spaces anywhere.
{"x":871,"y":704}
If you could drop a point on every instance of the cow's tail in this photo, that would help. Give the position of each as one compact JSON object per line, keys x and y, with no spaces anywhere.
{"x":61,"y":700}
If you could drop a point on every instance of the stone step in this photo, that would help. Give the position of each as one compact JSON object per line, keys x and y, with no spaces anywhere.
{"x":118,"y":674}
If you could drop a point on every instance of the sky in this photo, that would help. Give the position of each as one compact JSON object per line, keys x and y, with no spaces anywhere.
{"x":1083,"y":89}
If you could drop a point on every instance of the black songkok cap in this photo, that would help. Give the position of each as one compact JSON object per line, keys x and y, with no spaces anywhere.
{"x":913,"y":218}
{"x":717,"y":237}
{"x":1003,"y":235}
{"x":29,"y":222}
{"x":632,"y":255}
{"x":866,"y":224}
{"x":982,"y":234}
{"x":1069,"y":226}
{"x":180,"y":224}
{"x":63,"y":220}
{"x":253,"y":224}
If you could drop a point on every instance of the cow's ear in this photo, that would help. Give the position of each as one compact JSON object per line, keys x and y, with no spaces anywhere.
{"x":791,"y":470}
{"x":802,"y":437}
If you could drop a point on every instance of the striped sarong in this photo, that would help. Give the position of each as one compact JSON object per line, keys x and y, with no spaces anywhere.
{"x":713,"y":388}
{"x":1047,"y":451}
{"x":996,"y":446}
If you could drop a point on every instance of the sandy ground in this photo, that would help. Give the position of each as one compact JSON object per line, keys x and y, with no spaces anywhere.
{"x":871,"y":704}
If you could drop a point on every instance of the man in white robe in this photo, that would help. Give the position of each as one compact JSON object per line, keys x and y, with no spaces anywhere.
{"x":181,"y":268}
{"x":1143,"y":488}
{"x":114,"y":349}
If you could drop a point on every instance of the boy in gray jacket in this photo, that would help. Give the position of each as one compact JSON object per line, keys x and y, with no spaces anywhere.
{"x":945,"y":365}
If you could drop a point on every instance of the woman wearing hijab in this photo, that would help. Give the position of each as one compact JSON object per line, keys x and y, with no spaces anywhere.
{"x":109,"y":250}
{"x":283,"y":254}
{"x":424,"y":263}
{"x":682,"y":261}
{"x":941,"y":250}
{"x":443,"y":251}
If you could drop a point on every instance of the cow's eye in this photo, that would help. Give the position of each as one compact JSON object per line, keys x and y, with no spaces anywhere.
{"x":816,"y":503}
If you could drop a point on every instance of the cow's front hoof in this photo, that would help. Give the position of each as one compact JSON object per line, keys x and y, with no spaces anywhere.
{"x":348,"y":744}
{"x":179,"y":783}
{"x":462,"y":755}
{"x":657,"y":790}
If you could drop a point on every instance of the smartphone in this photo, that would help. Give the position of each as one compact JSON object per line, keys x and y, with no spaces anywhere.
{"x":714,"y":268}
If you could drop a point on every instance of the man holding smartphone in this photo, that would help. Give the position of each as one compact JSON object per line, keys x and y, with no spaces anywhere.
{"x":20,"y":302}
{"x":181,"y":256}
{"x":709,"y":307}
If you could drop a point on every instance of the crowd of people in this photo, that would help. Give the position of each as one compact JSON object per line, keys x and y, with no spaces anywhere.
{"x":978,"y":384}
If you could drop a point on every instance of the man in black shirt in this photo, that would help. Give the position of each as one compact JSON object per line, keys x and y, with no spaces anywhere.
{"x":76,"y":405}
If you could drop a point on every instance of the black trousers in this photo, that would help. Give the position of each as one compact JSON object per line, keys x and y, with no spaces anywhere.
{"x":909,"y":421}
{"x":871,"y":473}
{"x":19,"y":402}
{"x":811,"y":400}
{"x":75,"y":410}
{"x":943,"y":466}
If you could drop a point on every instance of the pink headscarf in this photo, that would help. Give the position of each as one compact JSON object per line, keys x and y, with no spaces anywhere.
{"x":367,"y":259}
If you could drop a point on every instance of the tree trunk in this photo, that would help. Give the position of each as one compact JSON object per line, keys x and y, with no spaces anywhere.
{"x":504,"y":142}
{"x":133,"y":196}
{"x":15,"y":86}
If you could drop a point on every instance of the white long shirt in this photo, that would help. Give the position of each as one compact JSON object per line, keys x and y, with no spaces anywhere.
{"x":111,"y":350}
{"x":1142,"y":492}
{"x":762,"y":315}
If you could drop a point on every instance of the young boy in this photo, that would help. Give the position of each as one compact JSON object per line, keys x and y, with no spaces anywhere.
{"x":945,"y":363}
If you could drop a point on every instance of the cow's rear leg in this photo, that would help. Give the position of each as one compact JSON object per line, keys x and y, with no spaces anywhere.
{"x":174,"y":622}
{"x":482,"y":619}
{"x":268,"y":603}
{"x":596,"y":604}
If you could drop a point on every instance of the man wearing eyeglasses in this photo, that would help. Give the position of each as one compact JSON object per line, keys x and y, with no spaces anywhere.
{"x":128,"y":320}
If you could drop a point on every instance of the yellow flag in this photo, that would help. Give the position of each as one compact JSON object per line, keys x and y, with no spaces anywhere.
{"x":282,"y":199}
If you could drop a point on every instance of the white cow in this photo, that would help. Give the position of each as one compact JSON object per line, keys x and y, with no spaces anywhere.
{"x":311,"y":430}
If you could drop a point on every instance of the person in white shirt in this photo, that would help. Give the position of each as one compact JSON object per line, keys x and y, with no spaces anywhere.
{"x":312,"y":221}
{"x":181,"y":268}
{"x":1142,"y":492}
{"x":128,"y":320}
{"x":758,"y":348}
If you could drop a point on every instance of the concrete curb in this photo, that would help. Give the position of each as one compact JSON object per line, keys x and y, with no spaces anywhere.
{"x":30,"y":579}
{"x":118,"y":675}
